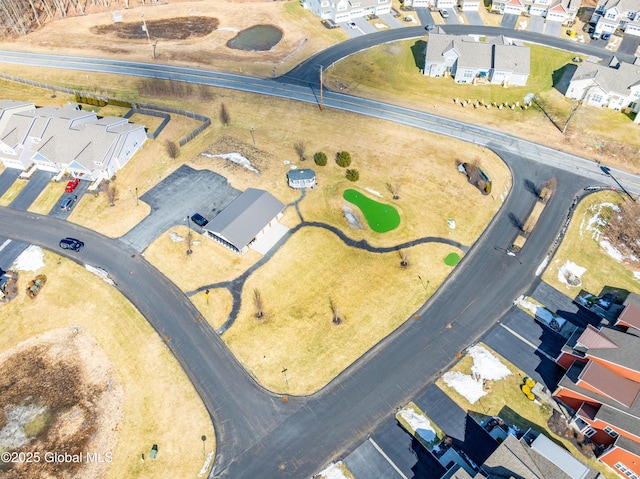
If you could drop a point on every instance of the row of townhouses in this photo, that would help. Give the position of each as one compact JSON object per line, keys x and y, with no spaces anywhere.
{"x":345,"y":10}
{"x":612,"y":15}
{"x":66,"y":139}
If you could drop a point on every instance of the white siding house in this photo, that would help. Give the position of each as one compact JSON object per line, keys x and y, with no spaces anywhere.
{"x":611,"y":15}
{"x":495,"y":61}
{"x":345,"y":10}
{"x":562,"y":11}
{"x":614,"y":87}
{"x":67,"y":139}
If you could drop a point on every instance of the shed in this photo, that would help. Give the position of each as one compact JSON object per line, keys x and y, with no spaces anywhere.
{"x":299,"y":179}
{"x":246,"y":218}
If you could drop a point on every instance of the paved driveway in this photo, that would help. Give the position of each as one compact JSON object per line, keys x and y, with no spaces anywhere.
{"x":473,"y":17}
{"x":7,"y":177}
{"x":452,"y":19}
{"x":183,"y":193}
{"x":536,"y":24}
{"x":392,"y":21}
{"x":629,"y":44}
{"x":509,"y":20}
{"x":80,"y":190}
{"x":425,"y":16}
{"x":553,"y":28}
{"x":38,"y":182}
{"x":367,"y":462}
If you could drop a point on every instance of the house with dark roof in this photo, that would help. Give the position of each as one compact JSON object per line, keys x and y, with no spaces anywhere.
{"x":602,"y":385}
{"x":245,"y":219}
{"x":615,"y":86}
{"x":496,"y":61}
{"x":301,"y":179}
{"x":611,"y":15}
{"x":66,"y":139}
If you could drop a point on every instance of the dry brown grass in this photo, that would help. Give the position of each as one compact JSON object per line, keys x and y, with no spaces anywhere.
{"x":216,"y":309}
{"x":533,"y":217}
{"x":161,"y":406}
{"x":373,"y":293}
{"x":48,"y":198}
{"x":304,"y":35}
{"x":13,"y":191}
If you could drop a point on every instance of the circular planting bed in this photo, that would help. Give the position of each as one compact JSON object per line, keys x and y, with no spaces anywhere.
{"x":180,"y":28}
{"x":452,"y":259}
{"x":380,"y":217}
{"x":259,"y":38}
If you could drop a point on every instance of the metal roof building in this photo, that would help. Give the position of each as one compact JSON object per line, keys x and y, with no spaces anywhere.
{"x":245,"y":219}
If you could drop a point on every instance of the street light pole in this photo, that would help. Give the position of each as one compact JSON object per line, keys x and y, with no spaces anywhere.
{"x":252,"y":136}
{"x":286,"y":379}
{"x":136,"y":196}
{"x":189,"y":237}
{"x":320,"y":87}
{"x":204,"y":438}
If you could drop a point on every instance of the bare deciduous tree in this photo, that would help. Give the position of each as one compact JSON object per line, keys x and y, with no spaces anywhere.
{"x":335,"y":312}
{"x":111,"y":192}
{"x":623,"y":231}
{"x":172,"y":149}
{"x":404,"y":258}
{"x":225,"y":118}
{"x":258,"y":303}
{"x":394,"y":189}
{"x":300,"y":148}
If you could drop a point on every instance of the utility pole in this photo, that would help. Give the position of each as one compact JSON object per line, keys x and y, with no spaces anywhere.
{"x":146,"y":30}
{"x":320,"y":87}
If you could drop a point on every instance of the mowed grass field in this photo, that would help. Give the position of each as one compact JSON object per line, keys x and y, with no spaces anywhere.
{"x":160,"y":407}
{"x":391,"y":73}
{"x":581,"y":247}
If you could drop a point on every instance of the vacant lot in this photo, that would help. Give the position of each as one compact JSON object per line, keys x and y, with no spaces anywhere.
{"x":581,"y":246}
{"x":160,"y":404}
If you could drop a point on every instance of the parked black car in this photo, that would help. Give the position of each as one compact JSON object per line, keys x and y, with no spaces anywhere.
{"x":199,"y":220}
{"x":72,"y":244}
{"x":68,"y":202}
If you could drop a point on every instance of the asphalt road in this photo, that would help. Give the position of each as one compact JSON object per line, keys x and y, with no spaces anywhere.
{"x":258,"y":435}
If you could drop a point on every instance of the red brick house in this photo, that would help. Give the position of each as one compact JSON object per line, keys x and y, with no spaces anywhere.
{"x":602,"y":385}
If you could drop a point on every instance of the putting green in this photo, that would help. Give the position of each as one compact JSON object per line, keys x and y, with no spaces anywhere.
{"x":452,"y":259}
{"x":380,"y":217}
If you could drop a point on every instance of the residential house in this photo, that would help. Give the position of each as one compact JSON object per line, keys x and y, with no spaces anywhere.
{"x":562,"y":11}
{"x":614,"y":86}
{"x":602,"y":385}
{"x":469,"y":5}
{"x":301,"y":179}
{"x":495,"y":61}
{"x":345,"y":10}
{"x":66,"y":139}
{"x":611,"y":15}
{"x":245,"y":219}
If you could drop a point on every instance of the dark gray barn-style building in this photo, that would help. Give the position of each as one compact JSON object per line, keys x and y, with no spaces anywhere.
{"x":246,"y":219}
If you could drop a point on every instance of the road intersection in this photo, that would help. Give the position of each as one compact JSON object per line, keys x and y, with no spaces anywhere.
{"x":258,"y":434}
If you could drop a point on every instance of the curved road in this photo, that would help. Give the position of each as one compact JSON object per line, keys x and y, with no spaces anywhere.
{"x":258,"y":435}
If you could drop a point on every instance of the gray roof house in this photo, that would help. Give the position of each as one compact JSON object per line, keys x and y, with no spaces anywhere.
{"x":300,"y":179}
{"x":496,"y":61}
{"x":245,"y":219}
{"x":615,"y":86}
{"x":611,"y":15}
{"x":66,"y":139}
{"x":345,"y":10}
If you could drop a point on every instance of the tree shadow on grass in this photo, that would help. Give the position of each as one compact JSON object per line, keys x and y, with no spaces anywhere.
{"x":418,"y":50}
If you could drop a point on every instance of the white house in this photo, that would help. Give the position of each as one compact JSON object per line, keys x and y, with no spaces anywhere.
{"x":469,"y":5}
{"x":345,"y":10}
{"x":301,"y":179}
{"x":245,"y":219}
{"x":562,"y":11}
{"x":66,"y":139}
{"x":611,"y":15}
{"x":496,"y":61}
{"x":616,"y":86}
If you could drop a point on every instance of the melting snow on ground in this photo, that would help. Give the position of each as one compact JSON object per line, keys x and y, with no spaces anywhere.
{"x":236,"y":158}
{"x":569,"y":269}
{"x":333,"y":472}
{"x":485,"y":366}
{"x":374,"y":192}
{"x":420,"y":424}
{"x":611,"y":251}
{"x":593,"y":220}
{"x":31,"y":259}
{"x":543,"y":314}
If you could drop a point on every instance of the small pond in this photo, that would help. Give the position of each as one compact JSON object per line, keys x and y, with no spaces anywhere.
{"x":259,"y":38}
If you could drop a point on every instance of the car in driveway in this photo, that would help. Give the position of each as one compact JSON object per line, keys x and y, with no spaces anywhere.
{"x":444,"y":13}
{"x":352,"y":25}
{"x":199,"y":220}
{"x":71,"y":185}
{"x":68,"y":202}
{"x":72,"y":244}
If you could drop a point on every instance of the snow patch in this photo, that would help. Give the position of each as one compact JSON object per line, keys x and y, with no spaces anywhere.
{"x":594,"y":220}
{"x":236,"y":158}
{"x":636,"y":275}
{"x":612,"y":251}
{"x":467,"y":386}
{"x":374,"y":192}
{"x":420,"y":424}
{"x":333,"y":472}
{"x":570,"y":269}
{"x":31,"y":259}
{"x":205,"y":466}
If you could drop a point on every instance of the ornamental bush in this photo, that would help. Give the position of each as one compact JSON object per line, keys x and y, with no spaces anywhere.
{"x":320,"y":158}
{"x":353,"y":175}
{"x":343,"y":158}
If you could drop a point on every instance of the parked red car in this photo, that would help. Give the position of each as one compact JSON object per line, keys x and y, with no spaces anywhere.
{"x":71,"y":185}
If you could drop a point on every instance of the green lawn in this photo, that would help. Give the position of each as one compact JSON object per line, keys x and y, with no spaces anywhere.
{"x":380,"y":217}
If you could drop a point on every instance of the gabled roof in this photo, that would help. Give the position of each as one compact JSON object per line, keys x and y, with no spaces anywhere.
{"x":623,"y":5}
{"x":612,"y":80}
{"x":245,"y":217}
{"x":630,"y":315}
{"x":592,"y":338}
{"x":512,"y":58}
{"x":610,"y":384}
